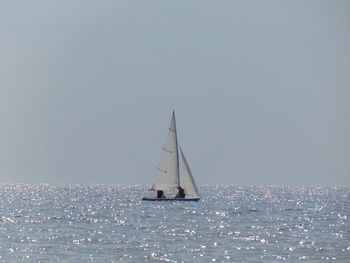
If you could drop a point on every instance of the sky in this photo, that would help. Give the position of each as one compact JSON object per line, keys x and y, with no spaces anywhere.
{"x":260,"y":89}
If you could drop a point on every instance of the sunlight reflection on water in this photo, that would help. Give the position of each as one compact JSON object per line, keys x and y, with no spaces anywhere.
{"x":109,"y":223}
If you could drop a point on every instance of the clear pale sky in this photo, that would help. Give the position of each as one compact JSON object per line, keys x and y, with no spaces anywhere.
{"x":261,"y":90}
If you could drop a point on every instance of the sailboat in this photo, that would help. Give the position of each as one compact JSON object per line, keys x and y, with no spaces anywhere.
{"x":167,"y":176}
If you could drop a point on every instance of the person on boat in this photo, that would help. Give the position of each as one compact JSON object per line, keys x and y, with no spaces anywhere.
{"x":181,"y":193}
{"x":160,"y":194}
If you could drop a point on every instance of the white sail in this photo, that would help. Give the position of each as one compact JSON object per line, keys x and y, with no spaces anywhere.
{"x":188,"y":183}
{"x":167,"y":174}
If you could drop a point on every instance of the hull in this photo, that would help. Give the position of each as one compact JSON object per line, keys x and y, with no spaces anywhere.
{"x":170,"y":199}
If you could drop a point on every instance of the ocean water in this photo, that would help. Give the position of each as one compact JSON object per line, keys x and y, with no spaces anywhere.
{"x":109,"y":223}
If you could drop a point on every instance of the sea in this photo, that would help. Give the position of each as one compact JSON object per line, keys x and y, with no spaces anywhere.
{"x":110,"y":223}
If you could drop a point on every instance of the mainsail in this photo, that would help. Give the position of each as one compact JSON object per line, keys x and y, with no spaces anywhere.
{"x":167,"y":174}
{"x":189,"y":184}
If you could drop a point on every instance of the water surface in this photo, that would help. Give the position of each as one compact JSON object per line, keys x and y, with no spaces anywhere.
{"x":109,"y":223}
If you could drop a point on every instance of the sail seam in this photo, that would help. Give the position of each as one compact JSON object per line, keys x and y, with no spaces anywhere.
{"x":164,"y":171}
{"x":167,"y":150}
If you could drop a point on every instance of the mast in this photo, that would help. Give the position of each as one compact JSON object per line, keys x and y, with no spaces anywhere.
{"x":177,"y":151}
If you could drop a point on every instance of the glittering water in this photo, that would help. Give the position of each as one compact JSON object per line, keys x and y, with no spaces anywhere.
{"x":100,"y":223}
